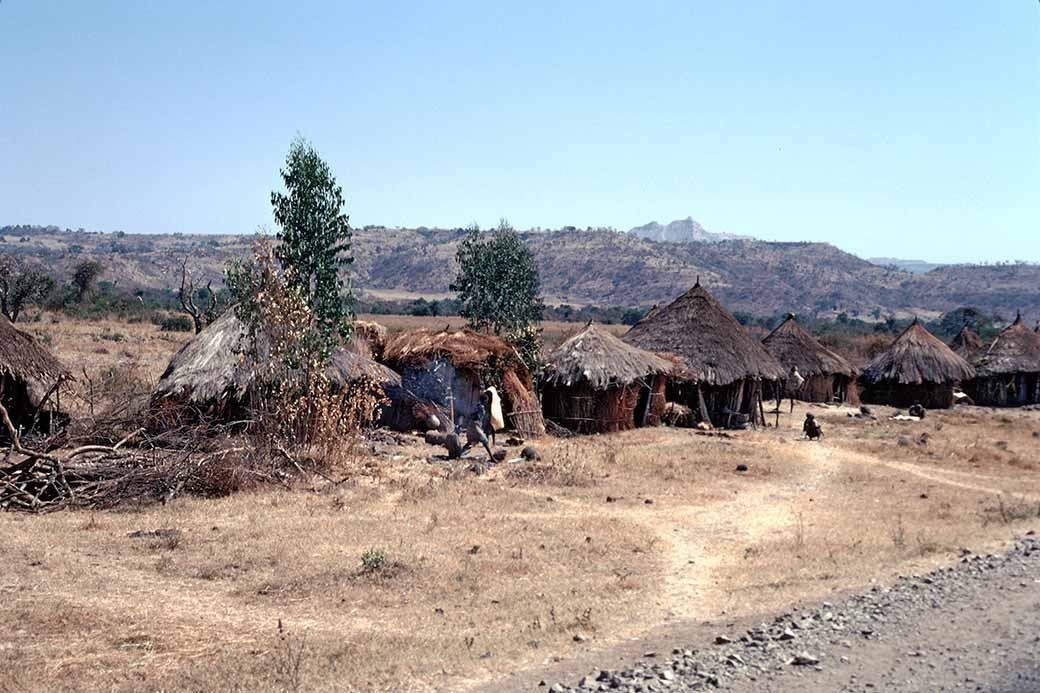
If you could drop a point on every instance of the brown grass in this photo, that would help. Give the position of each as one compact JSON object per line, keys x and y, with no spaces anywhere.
{"x":481,"y":574}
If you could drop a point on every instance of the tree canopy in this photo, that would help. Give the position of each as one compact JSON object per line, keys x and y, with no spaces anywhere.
{"x":315,"y":236}
{"x":498,"y":283}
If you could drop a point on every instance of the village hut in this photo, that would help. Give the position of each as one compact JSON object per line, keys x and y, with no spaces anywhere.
{"x":918,"y":367}
{"x":828,"y":376}
{"x":967,"y":344}
{"x":30,"y":379}
{"x":1008,"y":372}
{"x":444,"y":372}
{"x":596,"y":383}
{"x":213,"y":374}
{"x":721,"y":368}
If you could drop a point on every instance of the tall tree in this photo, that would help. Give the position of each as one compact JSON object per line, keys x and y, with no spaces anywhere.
{"x":498,"y":282}
{"x":20,"y":285}
{"x":315,"y":237}
{"x":85,"y":276}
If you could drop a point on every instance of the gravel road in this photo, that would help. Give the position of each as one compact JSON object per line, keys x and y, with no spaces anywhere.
{"x":973,"y":626}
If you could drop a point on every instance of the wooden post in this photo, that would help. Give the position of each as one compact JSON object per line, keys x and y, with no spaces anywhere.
{"x":705,"y":417}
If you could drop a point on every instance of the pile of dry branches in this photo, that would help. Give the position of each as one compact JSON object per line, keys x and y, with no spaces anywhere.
{"x":100,"y":476}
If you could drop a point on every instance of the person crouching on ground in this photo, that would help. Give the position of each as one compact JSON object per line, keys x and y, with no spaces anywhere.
{"x":811,"y":428}
{"x":917,"y":409}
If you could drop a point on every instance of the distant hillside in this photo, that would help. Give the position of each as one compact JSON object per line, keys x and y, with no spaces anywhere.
{"x":911,"y":266}
{"x":584,"y":267}
{"x":681,"y":231}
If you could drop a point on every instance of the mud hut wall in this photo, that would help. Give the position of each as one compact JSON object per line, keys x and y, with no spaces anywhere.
{"x":719,"y":399}
{"x":654,"y":390}
{"x":893,"y":394}
{"x":16,"y":399}
{"x":1011,"y":390}
{"x":440,"y":382}
{"x":582,"y":409}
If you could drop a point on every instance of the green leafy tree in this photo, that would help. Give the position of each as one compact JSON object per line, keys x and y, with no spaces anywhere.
{"x":20,"y":286}
{"x":498,"y":282}
{"x":85,"y":276}
{"x":315,"y":237}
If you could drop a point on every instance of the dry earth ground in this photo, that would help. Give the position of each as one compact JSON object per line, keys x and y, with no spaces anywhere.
{"x":471,"y":579}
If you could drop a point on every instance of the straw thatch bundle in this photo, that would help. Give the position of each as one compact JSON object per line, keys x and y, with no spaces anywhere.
{"x":1009,"y":371}
{"x":595,"y":383}
{"x":465,"y":348}
{"x":713,"y":347}
{"x":967,"y":344}
{"x":792,"y":347}
{"x":213,"y":367}
{"x":24,"y":358}
{"x":1015,"y":350}
{"x":917,"y":357}
{"x":598,"y":358}
{"x":449,"y":368}
{"x":828,"y":376}
{"x":28,"y":371}
{"x":918,"y":367}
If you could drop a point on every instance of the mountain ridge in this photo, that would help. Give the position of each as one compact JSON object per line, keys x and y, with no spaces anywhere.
{"x":591,"y":267}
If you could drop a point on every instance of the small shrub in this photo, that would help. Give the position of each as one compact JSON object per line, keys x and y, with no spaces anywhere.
{"x":373,"y":560}
{"x":176,"y":323}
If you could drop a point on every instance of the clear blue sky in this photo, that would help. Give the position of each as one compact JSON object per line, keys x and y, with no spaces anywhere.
{"x":889,"y":128}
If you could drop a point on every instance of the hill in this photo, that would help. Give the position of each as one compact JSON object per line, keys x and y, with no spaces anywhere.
{"x":599,"y":267}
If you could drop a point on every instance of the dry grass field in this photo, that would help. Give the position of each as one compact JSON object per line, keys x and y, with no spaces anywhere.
{"x":417,"y":574}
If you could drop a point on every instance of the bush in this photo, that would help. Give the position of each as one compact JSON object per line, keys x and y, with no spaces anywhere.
{"x":176,"y":323}
{"x":373,"y":560}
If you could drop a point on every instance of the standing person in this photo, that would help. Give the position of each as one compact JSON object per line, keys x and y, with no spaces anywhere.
{"x":475,"y":432}
{"x":794,"y":383}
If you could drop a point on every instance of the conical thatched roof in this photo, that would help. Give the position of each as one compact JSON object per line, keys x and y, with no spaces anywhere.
{"x":23,"y":358}
{"x":597,"y":357}
{"x":967,"y":344}
{"x":211,"y":366}
{"x":464,"y":348}
{"x":712,"y":346}
{"x":792,"y":346}
{"x":1015,"y":350}
{"x":917,"y":357}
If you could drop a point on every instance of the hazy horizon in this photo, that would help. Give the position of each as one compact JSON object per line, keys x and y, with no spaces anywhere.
{"x":892,"y":131}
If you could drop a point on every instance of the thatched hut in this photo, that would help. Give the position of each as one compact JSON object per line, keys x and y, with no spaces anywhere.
{"x":918,"y":367}
{"x":30,"y":377}
{"x":211,"y":373}
{"x":596,"y":383}
{"x":721,"y":367}
{"x":450,"y":368}
{"x":967,"y":344}
{"x":1008,"y":372}
{"x":828,"y":376}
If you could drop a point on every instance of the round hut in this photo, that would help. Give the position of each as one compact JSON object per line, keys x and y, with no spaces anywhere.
{"x":721,"y":367}
{"x":1008,"y":372}
{"x":828,"y":376}
{"x":444,"y":372}
{"x":212,"y":374}
{"x":30,"y":379}
{"x":967,"y":344}
{"x":596,"y":383}
{"x":918,"y":367}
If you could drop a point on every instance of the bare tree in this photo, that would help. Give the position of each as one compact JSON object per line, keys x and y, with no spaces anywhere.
{"x":200,"y":316}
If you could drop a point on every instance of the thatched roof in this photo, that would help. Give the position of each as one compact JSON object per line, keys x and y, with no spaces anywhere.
{"x":917,"y":357}
{"x":1015,"y":350}
{"x":967,"y":344}
{"x":211,"y":366}
{"x":709,"y":342}
{"x":792,"y":346}
{"x":464,"y":348}
{"x":597,"y":357}
{"x":23,"y":357}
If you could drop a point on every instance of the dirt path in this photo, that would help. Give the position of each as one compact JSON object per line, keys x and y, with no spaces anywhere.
{"x":691,"y":588}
